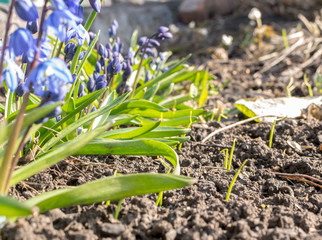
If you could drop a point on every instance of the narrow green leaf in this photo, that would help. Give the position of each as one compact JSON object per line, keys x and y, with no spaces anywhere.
{"x":10,"y":207}
{"x":203,"y":96}
{"x":182,"y":121}
{"x":135,"y":103}
{"x":111,"y":188}
{"x":161,"y":132}
{"x":129,"y":133}
{"x":139,"y":147}
{"x":2,"y":108}
{"x":150,"y":113}
{"x":60,"y":152}
{"x":134,"y":38}
{"x":174,"y":101}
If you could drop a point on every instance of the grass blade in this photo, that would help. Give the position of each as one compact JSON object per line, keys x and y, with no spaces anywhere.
{"x":139,"y":147}
{"x":111,"y":188}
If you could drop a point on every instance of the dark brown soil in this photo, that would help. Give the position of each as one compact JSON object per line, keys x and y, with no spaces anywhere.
{"x":263,"y":204}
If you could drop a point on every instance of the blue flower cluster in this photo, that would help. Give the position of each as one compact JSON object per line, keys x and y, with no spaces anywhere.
{"x":46,"y":77}
{"x":49,"y":77}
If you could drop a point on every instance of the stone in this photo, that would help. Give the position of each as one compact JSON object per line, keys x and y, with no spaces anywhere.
{"x":114,"y":229}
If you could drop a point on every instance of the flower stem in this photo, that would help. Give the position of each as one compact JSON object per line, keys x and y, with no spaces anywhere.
{"x":10,"y":148}
{"x":15,"y":159}
{"x":136,"y":80}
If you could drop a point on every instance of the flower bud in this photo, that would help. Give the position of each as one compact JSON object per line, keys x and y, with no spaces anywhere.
{"x":32,"y":27}
{"x":98,"y":67}
{"x":90,"y":84}
{"x":26,"y":10}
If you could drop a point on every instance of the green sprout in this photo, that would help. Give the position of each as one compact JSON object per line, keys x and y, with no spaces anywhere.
{"x":229,"y":162}
{"x":309,"y":88}
{"x":271,"y":135}
{"x":233,"y":181}
{"x":284,"y":34}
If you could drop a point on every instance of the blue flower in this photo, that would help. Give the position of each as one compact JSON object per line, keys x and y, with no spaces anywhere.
{"x":70,"y":5}
{"x":26,"y":10}
{"x":45,"y":48}
{"x":21,"y":41}
{"x":59,"y":21}
{"x":49,"y":79}
{"x":80,"y":33}
{"x":96,"y":5}
{"x":12,"y":74}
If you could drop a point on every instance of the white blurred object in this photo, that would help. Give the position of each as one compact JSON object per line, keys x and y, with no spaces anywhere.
{"x":254,"y":14}
{"x":227,"y":40}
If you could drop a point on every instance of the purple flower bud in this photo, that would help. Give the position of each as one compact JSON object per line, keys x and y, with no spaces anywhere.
{"x":163,"y":29}
{"x":163,"y":36}
{"x":102,"y":62}
{"x":19,"y":91}
{"x":90,"y":84}
{"x":74,"y":76}
{"x":142,"y":40}
{"x":112,"y":30}
{"x":98,"y":67}
{"x":81,"y":55}
{"x":91,"y":36}
{"x":32,"y":27}
{"x":26,"y":10}
{"x":95,"y":75}
{"x":58,"y":118}
{"x":21,"y":41}
{"x":127,"y":69}
{"x":147,"y":77}
{"x":109,"y":46}
{"x":70,"y":50}
{"x":79,"y":130}
{"x":93,"y":109}
{"x":154,"y":43}
{"x":100,"y":85}
{"x":116,"y":47}
{"x":96,"y":5}
{"x":102,"y":50}
{"x":121,"y":47}
{"x":81,"y":91}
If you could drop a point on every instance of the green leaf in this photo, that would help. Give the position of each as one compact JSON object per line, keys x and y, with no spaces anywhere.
{"x":174,"y":101}
{"x":111,"y":188}
{"x":2,"y":108}
{"x":245,"y":110}
{"x":182,"y":121}
{"x":135,"y":103}
{"x":149,"y":113}
{"x":134,"y":38}
{"x":60,"y":152}
{"x":10,"y":207}
{"x":203,"y":96}
{"x":129,"y":133}
{"x":139,"y":147}
{"x":161,"y":132}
